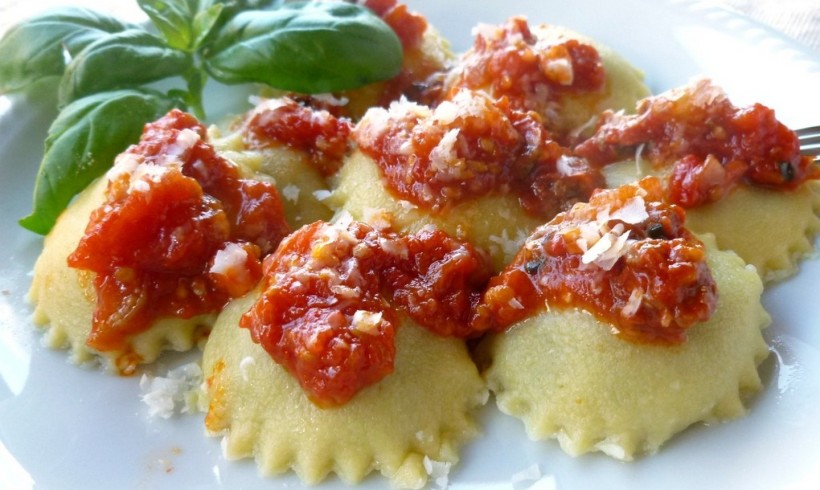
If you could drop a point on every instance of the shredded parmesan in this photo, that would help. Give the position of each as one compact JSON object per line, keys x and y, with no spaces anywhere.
{"x":291,"y":193}
{"x":230,"y":260}
{"x":633,"y":212}
{"x":633,"y":303}
{"x":330,"y":99}
{"x":606,"y":251}
{"x":321,"y":194}
{"x":177,"y":390}
{"x":439,"y":471}
{"x":366,"y":321}
{"x":377,"y":217}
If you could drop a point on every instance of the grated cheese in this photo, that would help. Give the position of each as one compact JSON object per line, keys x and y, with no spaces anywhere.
{"x":291,"y":193}
{"x":230,"y":260}
{"x":632,"y":212}
{"x":366,"y":321}
{"x":178,"y":390}
{"x":321,"y":194}
{"x":439,"y":471}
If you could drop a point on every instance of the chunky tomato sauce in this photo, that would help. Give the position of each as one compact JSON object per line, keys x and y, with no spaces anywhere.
{"x":408,"y":26}
{"x":285,"y":122}
{"x":179,"y":234}
{"x":625,"y":256}
{"x":708,"y":144}
{"x":325,"y":312}
{"x":469,"y":147}
{"x":510,"y":61}
{"x":422,"y":69}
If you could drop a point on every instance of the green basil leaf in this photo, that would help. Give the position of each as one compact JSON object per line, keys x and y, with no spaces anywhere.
{"x":233,"y":7}
{"x":309,"y":47}
{"x":38,"y":48}
{"x":82,"y":144}
{"x":125,"y":59}
{"x":173,"y":19}
{"x":204,"y":22}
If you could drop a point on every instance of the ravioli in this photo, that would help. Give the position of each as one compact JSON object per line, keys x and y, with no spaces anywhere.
{"x":415,"y":417}
{"x":568,"y":377}
{"x":148,"y":254}
{"x":494,"y":223}
{"x":64,"y":299}
{"x":624,"y":84}
{"x":567,"y":78}
{"x":298,"y":182}
{"x":769,"y":229}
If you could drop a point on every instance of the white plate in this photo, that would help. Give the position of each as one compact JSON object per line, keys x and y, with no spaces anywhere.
{"x":67,"y":427}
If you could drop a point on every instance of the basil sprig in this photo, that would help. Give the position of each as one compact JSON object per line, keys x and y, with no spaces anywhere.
{"x":305,"y":47}
{"x":141,"y":58}
{"x":107,"y":71}
{"x":37,"y":49}
{"x":82,"y":143}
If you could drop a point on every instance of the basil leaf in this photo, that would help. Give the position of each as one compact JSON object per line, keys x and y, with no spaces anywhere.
{"x":37,"y":49}
{"x":173,"y":19}
{"x":233,"y":7}
{"x":125,"y":59}
{"x":204,"y":22}
{"x":309,"y":47}
{"x":82,"y":144}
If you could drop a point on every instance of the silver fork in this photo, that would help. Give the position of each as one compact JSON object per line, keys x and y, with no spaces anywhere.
{"x":810,"y":141}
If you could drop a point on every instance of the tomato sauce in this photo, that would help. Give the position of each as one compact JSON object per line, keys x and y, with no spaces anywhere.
{"x":510,"y":61}
{"x":180,"y":234}
{"x":469,"y":147}
{"x":422,"y":69}
{"x":625,"y":257}
{"x":708,"y":145}
{"x":330,"y":295}
{"x":284,"y":122}
{"x":408,"y":26}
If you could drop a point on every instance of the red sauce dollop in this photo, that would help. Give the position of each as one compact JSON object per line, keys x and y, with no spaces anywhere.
{"x":652,"y":284}
{"x":423,"y":67}
{"x":408,"y":26}
{"x":473,"y":146}
{"x":509,"y":61}
{"x":172,"y":205}
{"x":709,"y":145}
{"x":325,"y":310}
{"x":284,"y":122}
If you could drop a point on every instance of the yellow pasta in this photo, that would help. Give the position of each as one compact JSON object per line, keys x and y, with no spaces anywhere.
{"x":64,"y":299}
{"x":494,"y":223}
{"x":569,"y":378}
{"x":297,"y":181}
{"x":414,"y":419}
{"x":771,"y":230}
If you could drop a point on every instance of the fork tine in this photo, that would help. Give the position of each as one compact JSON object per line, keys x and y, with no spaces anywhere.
{"x":809,"y":132}
{"x":809,"y":139}
{"x":809,"y":142}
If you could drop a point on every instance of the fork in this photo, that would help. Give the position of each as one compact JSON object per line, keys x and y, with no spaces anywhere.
{"x":809,"y":139}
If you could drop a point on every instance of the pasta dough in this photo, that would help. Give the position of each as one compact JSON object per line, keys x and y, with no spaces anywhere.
{"x":771,"y":230}
{"x":568,"y":377}
{"x":624,"y":84}
{"x":289,"y":170}
{"x":418,"y":415}
{"x":494,"y":223}
{"x":564,"y":108}
{"x":65,"y":299}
